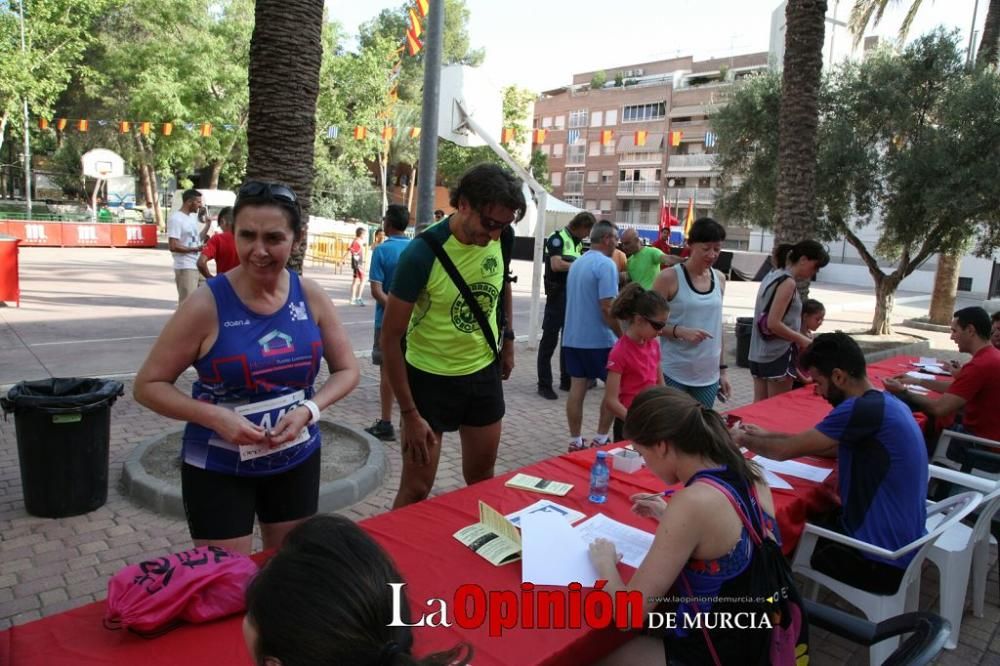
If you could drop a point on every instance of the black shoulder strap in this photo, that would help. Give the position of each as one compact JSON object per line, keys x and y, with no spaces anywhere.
{"x":463,"y":288}
{"x":774,"y":292}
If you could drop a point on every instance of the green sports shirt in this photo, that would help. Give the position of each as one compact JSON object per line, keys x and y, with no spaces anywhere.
{"x":644,"y":266}
{"x":443,"y":337}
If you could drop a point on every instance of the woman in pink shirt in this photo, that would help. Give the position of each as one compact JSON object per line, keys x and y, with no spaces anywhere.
{"x":634,"y":361}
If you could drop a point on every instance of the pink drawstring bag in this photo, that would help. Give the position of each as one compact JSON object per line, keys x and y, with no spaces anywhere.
{"x":197,"y":585}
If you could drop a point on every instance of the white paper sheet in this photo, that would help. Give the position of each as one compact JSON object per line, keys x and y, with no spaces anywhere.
{"x":920,"y":375}
{"x":913,"y":388}
{"x":793,"y":468}
{"x":775,"y":481}
{"x":631,"y":543}
{"x":927,"y":360}
{"x":546,"y":506}
{"x":552,"y":553}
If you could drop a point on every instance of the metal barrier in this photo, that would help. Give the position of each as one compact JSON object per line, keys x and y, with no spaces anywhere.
{"x":328,"y":249}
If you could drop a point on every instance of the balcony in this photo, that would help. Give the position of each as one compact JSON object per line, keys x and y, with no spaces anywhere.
{"x":692,"y":163}
{"x":633,"y":158}
{"x":702,"y":195}
{"x":639,"y":188}
{"x":637,"y":218}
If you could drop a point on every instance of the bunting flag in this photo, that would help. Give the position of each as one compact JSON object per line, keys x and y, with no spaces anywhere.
{"x":168,"y":129}
{"x":413,"y":45}
{"x":414,"y":132}
{"x":640,"y":137}
{"x":423,"y":6}
{"x":144,"y":127}
{"x":43,"y":124}
{"x":415,"y":23}
{"x":607,"y":136}
{"x":690,"y":217}
{"x":83,"y":125}
{"x":538,"y":136}
{"x":360,"y":132}
{"x":675,"y":138}
{"x":124,"y":126}
{"x":61,"y":124}
{"x":710,"y":139}
{"x":507,"y":135}
{"x":206,"y":129}
{"x":388,"y":133}
{"x":332,"y":132}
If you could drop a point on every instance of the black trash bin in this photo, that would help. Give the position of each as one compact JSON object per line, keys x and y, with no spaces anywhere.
{"x":63,"y":428}
{"x":744,"y":329}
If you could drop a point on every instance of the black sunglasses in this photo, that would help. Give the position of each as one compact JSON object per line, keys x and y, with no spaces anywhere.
{"x":657,"y":325}
{"x":492,"y":225}
{"x":258,"y":189}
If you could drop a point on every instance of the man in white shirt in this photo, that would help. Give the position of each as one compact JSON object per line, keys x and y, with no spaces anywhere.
{"x":184,"y":243}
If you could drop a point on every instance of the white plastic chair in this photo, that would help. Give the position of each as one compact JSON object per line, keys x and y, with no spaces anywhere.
{"x":963,"y":549}
{"x":877,"y":607}
{"x":941,"y":458}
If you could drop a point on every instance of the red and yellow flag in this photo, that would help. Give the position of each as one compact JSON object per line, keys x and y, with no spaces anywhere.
{"x":414,"y":132}
{"x":538,"y":136}
{"x":168,"y":129}
{"x":61,"y":124}
{"x":415,"y":23}
{"x":43,"y":124}
{"x":413,"y":45}
{"x":640,"y":137}
{"x":206,"y":129}
{"x":144,"y":127}
{"x":675,"y":138}
{"x":607,"y":136}
{"x":83,"y":125}
{"x":124,"y":126}
{"x":423,"y":6}
{"x":388,"y":133}
{"x":690,"y":217}
{"x":507,"y":135}
{"x":360,"y":132}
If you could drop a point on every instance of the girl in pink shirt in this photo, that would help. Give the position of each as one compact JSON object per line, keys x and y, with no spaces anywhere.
{"x":634,"y":361}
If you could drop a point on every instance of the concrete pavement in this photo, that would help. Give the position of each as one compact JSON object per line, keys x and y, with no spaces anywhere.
{"x":95,"y":312}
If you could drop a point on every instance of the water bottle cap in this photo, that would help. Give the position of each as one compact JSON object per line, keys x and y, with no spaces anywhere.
{"x":601,"y":455}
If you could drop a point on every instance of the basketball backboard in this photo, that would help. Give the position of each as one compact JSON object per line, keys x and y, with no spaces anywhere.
{"x":479,"y":97}
{"x":102,"y":163}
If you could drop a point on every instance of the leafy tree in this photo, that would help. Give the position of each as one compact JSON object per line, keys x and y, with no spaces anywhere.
{"x":598,"y":80}
{"x":907,"y":142}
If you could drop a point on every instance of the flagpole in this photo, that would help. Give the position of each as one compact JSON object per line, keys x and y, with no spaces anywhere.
{"x":429,"y":115}
{"x":27,"y":134}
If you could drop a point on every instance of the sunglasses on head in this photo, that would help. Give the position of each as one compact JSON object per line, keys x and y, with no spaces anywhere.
{"x":657,"y":325}
{"x":259,"y":189}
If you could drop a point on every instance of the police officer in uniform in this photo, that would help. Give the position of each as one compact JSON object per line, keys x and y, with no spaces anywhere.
{"x":561,"y":249}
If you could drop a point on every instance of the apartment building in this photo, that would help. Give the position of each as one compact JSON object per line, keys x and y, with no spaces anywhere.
{"x":643,"y":137}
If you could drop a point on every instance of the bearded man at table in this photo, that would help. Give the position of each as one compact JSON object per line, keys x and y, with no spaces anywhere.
{"x":881,"y":464}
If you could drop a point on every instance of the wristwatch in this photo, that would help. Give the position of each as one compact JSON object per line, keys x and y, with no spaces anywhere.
{"x":509,"y":335}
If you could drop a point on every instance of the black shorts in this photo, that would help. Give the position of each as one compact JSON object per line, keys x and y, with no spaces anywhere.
{"x":467,"y":400}
{"x":778,"y":369}
{"x":222,"y":506}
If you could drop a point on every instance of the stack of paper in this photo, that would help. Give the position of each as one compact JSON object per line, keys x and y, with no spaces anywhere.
{"x":546,"y":506}
{"x":631,"y":543}
{"x":793,"y":468}
{"x":538,"y":485}
{"x":554,"y":553}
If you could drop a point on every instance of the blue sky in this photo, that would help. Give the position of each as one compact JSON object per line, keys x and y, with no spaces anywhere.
{"x":538,"y":44}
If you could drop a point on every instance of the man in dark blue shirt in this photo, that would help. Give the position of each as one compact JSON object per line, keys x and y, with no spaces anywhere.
{"x":881,"y":464}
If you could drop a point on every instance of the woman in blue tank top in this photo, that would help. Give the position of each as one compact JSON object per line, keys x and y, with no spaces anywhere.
{"x":701,"y":548}
{"x":256,"y":337}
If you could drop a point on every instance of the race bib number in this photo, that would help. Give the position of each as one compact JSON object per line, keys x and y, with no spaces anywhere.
{"x":267,"y":414}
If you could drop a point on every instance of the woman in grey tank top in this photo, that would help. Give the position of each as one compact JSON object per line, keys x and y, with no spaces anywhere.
{"x":771,"y":348}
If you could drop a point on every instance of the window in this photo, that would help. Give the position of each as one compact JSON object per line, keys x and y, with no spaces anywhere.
{"x":595,"y":148}
{"x":578,"y":118}
{"x":611,"y":117}
{"x":590,"y":204}
{"x":592,"y":177}
{"x":609,"y":148}
{"x":636,"y":113}
{"x":574,"y":181}
{"x":556,"y":178}
{"x":606,"y":177}
{"x":577,"y":154}
{"x":544,"y":149}
{"x":559,"y":122}
{"x":546,"y":122}
{"x":606,"y":205}
{"x":596,"y":119}
{"x":557,"y":150}
{"x":574,"y":200}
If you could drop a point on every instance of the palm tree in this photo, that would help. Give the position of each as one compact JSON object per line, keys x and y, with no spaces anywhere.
{"x":285,"y":55}
{"x":798,"y":118}
{"x":865,"y":11}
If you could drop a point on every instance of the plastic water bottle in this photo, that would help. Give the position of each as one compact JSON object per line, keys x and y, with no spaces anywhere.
{"x":599,"y":474}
